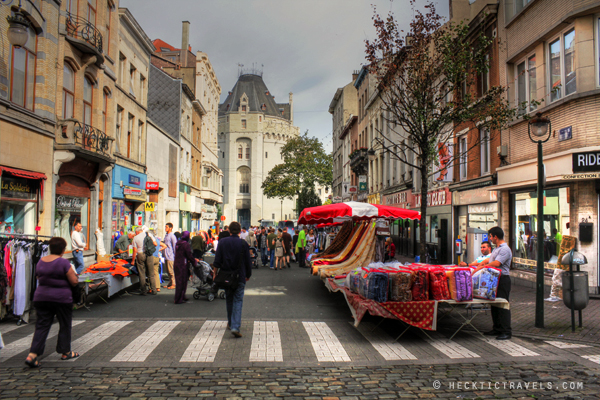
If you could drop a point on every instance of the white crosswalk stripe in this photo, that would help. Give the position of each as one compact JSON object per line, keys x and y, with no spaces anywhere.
{"x":385,"y":345}
{"x":205,"y":345}
{"x":326,"y":345}
{"x":595,"y":358}
{"x":12,"y":349}
{"x":507,"y":346}
{"x":92,"y":338}
{"x":564,"y":345}
{"x":266,"y":342}
{"x":141,"y":347}
{"x":5,"y":328}
{"x":449,"y":348}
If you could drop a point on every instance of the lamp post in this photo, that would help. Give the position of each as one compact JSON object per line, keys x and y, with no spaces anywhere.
{"x":281,"y":219}
{"x":18,"y":27}
{"x":540,"y":128}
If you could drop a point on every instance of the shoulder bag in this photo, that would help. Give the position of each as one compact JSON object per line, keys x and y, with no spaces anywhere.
{"x":229,"y":278}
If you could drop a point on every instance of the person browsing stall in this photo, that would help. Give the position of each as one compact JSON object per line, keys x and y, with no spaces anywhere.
{"x":121,"y":248}
{"x":483,"y":259}
{"x":500,"y":258}
{"x":234,"y":253}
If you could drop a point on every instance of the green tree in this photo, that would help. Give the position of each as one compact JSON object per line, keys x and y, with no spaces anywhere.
{"x":305,"y":164}
{"x":427,"y":80}
{"x":307,"y":198}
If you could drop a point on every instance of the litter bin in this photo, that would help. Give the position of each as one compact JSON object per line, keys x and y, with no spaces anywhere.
{"x":581,"y":293}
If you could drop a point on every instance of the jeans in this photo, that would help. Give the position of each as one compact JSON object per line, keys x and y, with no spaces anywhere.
{"x":78,"y":261}
{"x":272,"y":255}
{"x":263,"y":256}
{"x":234,"y":300}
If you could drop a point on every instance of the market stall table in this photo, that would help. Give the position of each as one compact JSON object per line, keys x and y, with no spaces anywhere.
{"x":418,"y":314}
{"x":114,"y":281}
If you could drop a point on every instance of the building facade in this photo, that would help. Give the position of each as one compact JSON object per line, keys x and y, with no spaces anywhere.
{"x":252,"y":130}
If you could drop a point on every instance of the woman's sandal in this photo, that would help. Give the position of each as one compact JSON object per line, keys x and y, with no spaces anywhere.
{"x":32,"y":362}
{"x":69,"y":355}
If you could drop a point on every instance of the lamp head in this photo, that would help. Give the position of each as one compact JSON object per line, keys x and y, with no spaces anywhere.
{"x":18,"y":27}
{"x":538,"y":126}
{"x":371,"y":154}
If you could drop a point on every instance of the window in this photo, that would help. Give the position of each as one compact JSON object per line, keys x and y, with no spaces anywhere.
{"x":68,"y":91}
{"x":484,"y":137}
{"x":132,"y":80}
{"x":104,"y":110}
{"x":118,"y":128}
{"x":462,"y":148}
{"x":247,"y":152}
{"x":122,"y":70}
{"x":266,"y":154}
{"x":71,"y":6}
{"x":142,"y":88}
{"x":91,"y":16}
{"x":513,"y":7}
{"x":244,"y":179}
{"x":129,"y":135}
{"x":240,"y":152}
{"x":243,"y":108}
{"x":562,"y":65}
{"x":108,"y":16}
{"x":484,"y":77}
{"x":23,"y":72}
{"x":87,"y":101}
{"x":526,"y":85}
{"x":243,"y":124}
{"x":273,"y":216}
{"x":140,"y":141}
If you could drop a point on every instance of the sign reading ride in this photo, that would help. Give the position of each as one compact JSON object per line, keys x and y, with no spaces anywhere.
{"x":149,"y":206}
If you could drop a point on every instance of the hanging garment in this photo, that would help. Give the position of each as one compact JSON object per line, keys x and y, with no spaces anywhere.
{"x":20,"y":286}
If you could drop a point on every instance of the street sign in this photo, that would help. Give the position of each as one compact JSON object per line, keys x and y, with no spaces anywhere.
{"x":362,"y":183}
{"x":222,"y":218}
{"x":352,"y":189}
{"x":149,"y":206}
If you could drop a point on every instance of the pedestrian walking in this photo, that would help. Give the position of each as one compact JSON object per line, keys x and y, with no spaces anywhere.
{"x":279,"y":250}
{"x":287,"y":244}
{"x":251,"y":239}
{"x":264,"y":247}
{"x":234,"y":254}
{"x":198,"y":245}
{"x":53,"y":297}
{"x":301,"y":248}
{"x":156,"y":258}
{"x":183,"y":257}
{"x":78,"y":245}
{"x":271,"y":243}
{"x":143,"y":248}
{"x":170,"y":242}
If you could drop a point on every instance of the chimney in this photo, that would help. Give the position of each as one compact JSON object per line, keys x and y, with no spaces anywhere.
{"x":291,"y":108}
{"x":354,"y":75}
{"x":185,"y":41}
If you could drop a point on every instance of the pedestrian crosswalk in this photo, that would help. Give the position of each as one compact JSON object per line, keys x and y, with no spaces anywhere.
{"x":273,"y":342}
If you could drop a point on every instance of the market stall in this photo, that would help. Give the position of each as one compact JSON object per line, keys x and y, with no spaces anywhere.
{"x":113,"y":275}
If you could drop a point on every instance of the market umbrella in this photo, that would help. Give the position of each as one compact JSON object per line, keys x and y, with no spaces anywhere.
{"x":352,"y":210}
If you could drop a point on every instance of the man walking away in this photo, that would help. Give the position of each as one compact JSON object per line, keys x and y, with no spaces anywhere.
{"x":156,"y":257}
{"x":170,"y":242}
{"x":294,"y":242}
{"x":287,"y":245}
{"x":224,"y":233}
{"x":301,"y":248}
{"x":264,"y":248}
{"x":271,"y":243}
{"x":144,"y":261}
{"x":234,"y":253}
{"x":501,"y":258}
{"x":78,"y":245}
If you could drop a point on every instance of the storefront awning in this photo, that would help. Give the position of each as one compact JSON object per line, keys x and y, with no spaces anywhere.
{"x":23,"y":174}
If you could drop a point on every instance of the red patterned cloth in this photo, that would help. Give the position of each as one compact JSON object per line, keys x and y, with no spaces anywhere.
{"x":421,"y":314}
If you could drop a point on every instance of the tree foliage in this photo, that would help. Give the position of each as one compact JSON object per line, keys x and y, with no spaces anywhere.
{"x":427,"y":81}
{"x":305,"y":164}
{"x":308,"y":198}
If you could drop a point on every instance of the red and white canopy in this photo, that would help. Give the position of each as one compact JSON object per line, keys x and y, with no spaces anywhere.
{"x":355,"y":211}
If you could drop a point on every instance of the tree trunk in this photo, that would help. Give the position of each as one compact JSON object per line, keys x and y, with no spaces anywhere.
{"x":423,"y":225}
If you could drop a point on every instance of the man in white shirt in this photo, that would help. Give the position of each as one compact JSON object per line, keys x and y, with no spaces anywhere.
{"x":144,"y":263}
{"x":78,"y":245}
{"x":244,"y":234}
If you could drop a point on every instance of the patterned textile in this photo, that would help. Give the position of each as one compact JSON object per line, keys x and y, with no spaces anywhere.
{"x":420,"y":289}
{"x":438,"y":285}
{"x":464,"y":285}
{"x":422,"y":314}
{"x":401,"y":286}
{"x":485,"y":283}
{"x":378,"y":287}
{"x":567,"y":244}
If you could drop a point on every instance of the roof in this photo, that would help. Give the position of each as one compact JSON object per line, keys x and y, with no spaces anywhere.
{"x":163,"y":46}
{"x":258,"y":95}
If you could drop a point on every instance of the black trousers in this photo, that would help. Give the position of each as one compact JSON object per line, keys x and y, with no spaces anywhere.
{"x":45,"y":311}
{"x":501,"y":316}
{"x":302,"y":257}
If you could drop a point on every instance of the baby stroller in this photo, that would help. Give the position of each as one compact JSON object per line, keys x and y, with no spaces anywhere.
{"x":254,"y":257}
{"x":201,"y":279}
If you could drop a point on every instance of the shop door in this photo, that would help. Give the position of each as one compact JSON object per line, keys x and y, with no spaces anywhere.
{"x":244,"y":217}
{"x":443,"y":242}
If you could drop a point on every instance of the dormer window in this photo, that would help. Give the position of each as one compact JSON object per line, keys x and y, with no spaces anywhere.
{"x":263,"y":107}
{"x":243,"y":108}
{"x":227,"y":109}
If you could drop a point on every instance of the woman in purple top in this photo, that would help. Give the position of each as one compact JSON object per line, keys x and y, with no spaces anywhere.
{"x":183,"y":255}
{"x":53,"y":296}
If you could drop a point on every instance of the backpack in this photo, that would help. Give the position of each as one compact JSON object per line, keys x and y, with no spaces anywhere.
{"x":149,"y":247}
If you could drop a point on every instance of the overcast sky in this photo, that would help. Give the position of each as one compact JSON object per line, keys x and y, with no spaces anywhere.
{"x":308,"y":47}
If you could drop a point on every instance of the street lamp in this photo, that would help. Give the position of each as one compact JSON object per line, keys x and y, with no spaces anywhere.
{"x":540,"y":128}
{"x":18,"y":27}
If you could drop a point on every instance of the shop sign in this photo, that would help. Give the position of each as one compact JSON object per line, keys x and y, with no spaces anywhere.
{"x":586,"y":162}
{"x":149,"y":206}
{"x":352,"y":190}
{"x":338,"y":199}
{"x":67,"y":203}
{"x":209,"y":216}
{"x":132,"y":192}
{"x":362,"y":196}
{"x":134,"y":180}
{"x":152,"y":186}
{"x":484,"y":208}
{"x":362,"y":183}
{"x":444,"y":171}
{"x":396,"y":198}
{"x":17,"y":188}
{"x":572,"y":177}
{"x":434,"y":198}
{"x":474,"y":196}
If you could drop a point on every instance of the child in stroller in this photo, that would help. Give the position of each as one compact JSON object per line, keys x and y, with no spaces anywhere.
{"x":201,"y":279}
{"x":254,"y":257}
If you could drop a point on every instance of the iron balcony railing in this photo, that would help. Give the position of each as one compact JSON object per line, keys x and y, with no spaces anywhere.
{"x":92,"y":139}
{"x":81,"y":28}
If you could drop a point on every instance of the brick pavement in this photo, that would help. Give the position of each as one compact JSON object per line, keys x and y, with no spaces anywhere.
{"x":516,"y":380}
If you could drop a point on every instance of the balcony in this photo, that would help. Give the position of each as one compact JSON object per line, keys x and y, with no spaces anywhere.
{"x":359,"y":161}
{"x":85,"y":36}
{"x":87,"y":141}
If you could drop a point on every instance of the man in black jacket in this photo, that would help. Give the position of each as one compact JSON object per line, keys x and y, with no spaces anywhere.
{"x":233,"y":253}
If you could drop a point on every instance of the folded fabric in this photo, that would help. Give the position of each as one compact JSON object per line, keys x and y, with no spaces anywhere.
{"x":464,"y":285}
{"x":377,"y":288}
{"x":401,"y":285}
{"x":485,"y":283}
{"x":438,"y":284}
{"x":420,"y":288}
